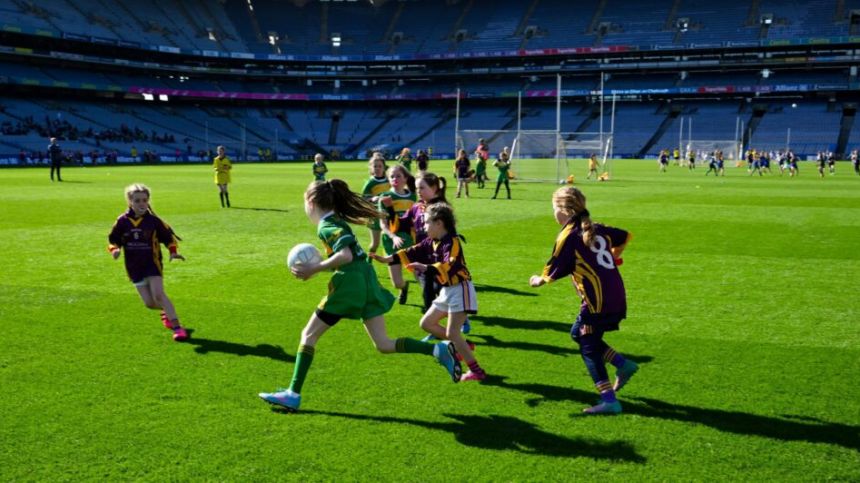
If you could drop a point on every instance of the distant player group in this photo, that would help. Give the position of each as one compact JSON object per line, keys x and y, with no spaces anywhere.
{"x":758,"y":162}
{"x":412,"y":220}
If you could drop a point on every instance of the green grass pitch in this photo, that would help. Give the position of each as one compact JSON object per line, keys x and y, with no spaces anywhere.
{"x":743,"y":313}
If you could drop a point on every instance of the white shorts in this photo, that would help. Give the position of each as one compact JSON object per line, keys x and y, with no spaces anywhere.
{"x":457,"y":298}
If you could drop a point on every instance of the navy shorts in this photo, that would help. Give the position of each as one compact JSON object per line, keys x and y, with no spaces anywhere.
{"x":587,"y":323}
{"x":139,"y":275}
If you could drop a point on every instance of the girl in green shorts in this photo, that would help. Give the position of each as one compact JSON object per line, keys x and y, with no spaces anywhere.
{"x":373,"y":187}
{"x":394,"y":204}
{"x":354,"y":292}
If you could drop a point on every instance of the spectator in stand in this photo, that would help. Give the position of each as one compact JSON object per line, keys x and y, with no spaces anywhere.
{"x":56,"y":155}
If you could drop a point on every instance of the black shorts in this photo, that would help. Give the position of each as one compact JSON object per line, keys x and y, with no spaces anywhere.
{"x":588,"y":323}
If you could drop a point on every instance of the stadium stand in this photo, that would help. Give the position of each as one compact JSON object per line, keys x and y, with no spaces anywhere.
{"x":715,"y":99}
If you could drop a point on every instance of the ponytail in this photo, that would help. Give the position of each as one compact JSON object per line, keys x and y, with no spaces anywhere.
{"x":131,"y":189}
{"x":437,"y":182}
{"x":410,"y":180}
{"x":444,"y":213}
{"x":336,"y":196}
{"x":587,"y":227}
{"x":571,"y":201}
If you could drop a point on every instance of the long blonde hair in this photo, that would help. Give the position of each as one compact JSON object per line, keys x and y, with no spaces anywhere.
{"x":131,"y":189}
{"x":571,"y":202}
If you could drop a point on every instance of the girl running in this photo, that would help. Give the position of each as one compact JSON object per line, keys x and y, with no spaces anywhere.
{"x":373,"y":187}
{"x":822,"y":160}
{"x":764,"y":163}
{"x":664,"y":160}
{"x":481,"y":172}
{"x":431,"y":190}
{"x":855,"y":160}
{"x":592,"y":167}
{"x":137,"y":233}
{"x":792,"y":165}
{"x":712,"y":164}
{"x":590,"y":253}
{"x":223,"y":166}
{"x":721,"y":164}
{"x":354,"y":292}
{"x":503,"y":164}
{"x":442,"y":253}
{"x":394,"y":204}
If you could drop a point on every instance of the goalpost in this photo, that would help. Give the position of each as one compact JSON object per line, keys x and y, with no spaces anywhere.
{"x":731,"y":148}
{"x":534,"y":155}
{"x":541,"y":155}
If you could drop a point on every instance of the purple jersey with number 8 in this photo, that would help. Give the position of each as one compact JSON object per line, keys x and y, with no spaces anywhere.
{"x":593,"y":269}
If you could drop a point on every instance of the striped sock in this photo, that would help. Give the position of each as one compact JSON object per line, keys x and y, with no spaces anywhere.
{"x":613,"y":357}
{"x":303,"y":364}
{"x":411,"y":346}
{"x":475,"y":367}
{"x":606,"y":392}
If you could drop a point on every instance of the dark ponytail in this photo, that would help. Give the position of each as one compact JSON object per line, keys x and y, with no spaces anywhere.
{"x":437,"y":182}
{"x":336,"y":196}
{"x":444,"y":213}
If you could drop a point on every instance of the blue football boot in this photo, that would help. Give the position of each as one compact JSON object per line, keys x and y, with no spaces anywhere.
{"x":284,"y":398}
{"x":446,"y":354}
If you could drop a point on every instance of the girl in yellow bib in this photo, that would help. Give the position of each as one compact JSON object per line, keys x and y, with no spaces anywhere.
{"x":222,"y":165}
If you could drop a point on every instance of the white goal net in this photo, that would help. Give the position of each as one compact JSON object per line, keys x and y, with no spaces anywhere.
{"x":730,"y":149}
{"x":535,"y":155}
{"x":578,"y":147}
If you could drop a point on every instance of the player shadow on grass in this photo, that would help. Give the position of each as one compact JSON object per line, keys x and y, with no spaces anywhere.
{"x":259,"y":209}
{"x":493,"y":341}
{"x":506,"y":433}
{"x":545,"y":392}
{"x":505,"y":290}
{"x":274,"y":352}
{"x":509,"y":323}
{"x":786,"y":428}
{"x":572,"y":349}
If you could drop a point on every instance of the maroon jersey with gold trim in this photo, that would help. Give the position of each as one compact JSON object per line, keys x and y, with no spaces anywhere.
{"x":445,"y":255}
{"x":592,"y":269}
{"x":139,"y":238}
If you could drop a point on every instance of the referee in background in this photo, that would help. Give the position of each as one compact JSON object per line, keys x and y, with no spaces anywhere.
{"x":56,"y":155}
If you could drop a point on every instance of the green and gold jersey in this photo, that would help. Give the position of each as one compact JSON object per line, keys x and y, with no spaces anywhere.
{"x":400,"y":205}
{"x":375,"y":186}
{"x":336,"y":235}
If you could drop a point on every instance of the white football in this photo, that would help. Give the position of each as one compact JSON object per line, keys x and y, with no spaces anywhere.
{"x":303,"y":253}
